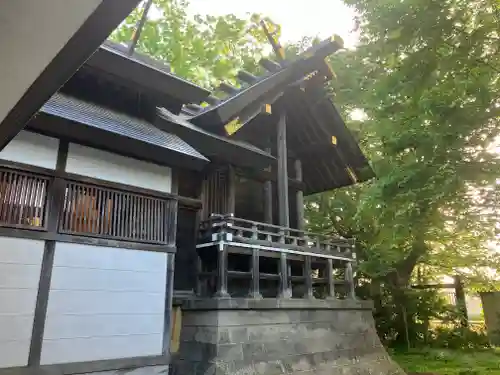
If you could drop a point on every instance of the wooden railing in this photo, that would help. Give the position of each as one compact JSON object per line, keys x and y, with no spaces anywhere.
{"x":269,"y":235}
{"x":96,"y":211}
{"x":234,"y":235}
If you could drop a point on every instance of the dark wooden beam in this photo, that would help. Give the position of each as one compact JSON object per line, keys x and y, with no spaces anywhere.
{"x":86,"y":39}
{"x":284,"y":211}
{"x":267,"y":175}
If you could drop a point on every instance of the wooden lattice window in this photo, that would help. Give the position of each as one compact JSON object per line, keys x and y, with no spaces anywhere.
{"x":23,"y":199}
{"x":108,"y":213}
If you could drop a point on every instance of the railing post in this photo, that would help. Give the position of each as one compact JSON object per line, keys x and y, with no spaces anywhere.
{"x":255,"y":287}
{"x":349,"y":279}
{"x":281,"y":233}
{"x":331,"y":281}
{"x":222,"y":272}
{"x":285,"y":291}
{"x":308,"y":277}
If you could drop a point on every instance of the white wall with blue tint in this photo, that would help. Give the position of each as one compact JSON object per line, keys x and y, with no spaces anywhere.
{"x":20,"y":265}
{"x":33,"y":149}
{"x":104,"y":165}
{"x":104,"y":303}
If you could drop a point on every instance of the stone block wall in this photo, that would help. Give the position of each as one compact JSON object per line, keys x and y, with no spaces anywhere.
{"x":273,"y":337}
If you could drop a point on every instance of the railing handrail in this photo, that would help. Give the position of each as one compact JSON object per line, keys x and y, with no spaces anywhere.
{"x":228,"y":220}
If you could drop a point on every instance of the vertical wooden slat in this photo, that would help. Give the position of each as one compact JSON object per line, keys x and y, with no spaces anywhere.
{"x":143,"y":217}
{"x":140,"y":208}
{"x":12,"y":197}
{"x":134,"y":217}
{"x":22,"y":204}
{"x":3,"y":179}
{"x":162,"y":220}
{"x":126,"y":215}
{"x":72,"y":208}
{"x":155,"y":220}
{"x":116,"y":213}
{"x":66,"y":208}
{"x":100,"y":212}
{"x":80,"y":207}
{"x":119,"y":218}
{"x":74,"y":214}
{"x":88,"y":216}
{"x":130,"y":215}
{"x":31,"y":200}
{"x":8,"y":186}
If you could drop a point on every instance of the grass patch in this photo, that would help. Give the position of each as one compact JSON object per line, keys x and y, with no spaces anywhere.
{"x":450,"y":362}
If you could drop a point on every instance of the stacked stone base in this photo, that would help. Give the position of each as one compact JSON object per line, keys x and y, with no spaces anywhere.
{"x":274,"y":337}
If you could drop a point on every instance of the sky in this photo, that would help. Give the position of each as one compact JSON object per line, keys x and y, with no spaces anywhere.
{"x":297,"y":18}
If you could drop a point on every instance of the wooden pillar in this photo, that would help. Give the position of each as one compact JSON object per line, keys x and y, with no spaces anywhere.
{"x":299,"y":196}
{"x":285,"y":290}
{"x":255,"y":287}
{"x":222,"y":272}
{"x":268,"y":198}
{"x":308,"y":277}
{"x":349,"y":279}
{"x":231,"y":190}
{"x":284,"y":214}
{"x":331,"y":281}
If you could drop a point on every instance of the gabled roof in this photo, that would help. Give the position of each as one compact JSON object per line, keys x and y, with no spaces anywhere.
{"x":264,"y":88}
{"x":316,"y":133}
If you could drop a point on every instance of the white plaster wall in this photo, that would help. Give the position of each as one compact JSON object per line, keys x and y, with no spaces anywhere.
{"x":104,"y":165}
{"x":32,"y":32}
{"x":104,"y":303}
{"x":33,"y":149}
{"x":20,"y":264}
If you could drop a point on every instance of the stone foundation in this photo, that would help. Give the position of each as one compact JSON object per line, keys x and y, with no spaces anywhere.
{"x":272,"y":337}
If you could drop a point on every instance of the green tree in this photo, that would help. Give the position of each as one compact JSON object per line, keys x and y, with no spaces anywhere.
{"x":426,"y":74}
{"x":203,"y":49}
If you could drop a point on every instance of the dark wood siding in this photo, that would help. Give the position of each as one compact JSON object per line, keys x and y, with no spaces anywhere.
{"x":185,"y":258}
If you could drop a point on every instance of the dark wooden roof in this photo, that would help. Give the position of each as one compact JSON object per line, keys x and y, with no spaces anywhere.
{"x":145,"y":75}
{"x":316,"y":133}
{"x":102,"y":127}
{"x":216,"y":147}
{"x":261,"y":90}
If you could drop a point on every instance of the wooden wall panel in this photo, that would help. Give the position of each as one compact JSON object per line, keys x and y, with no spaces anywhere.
{"x":20,"y":264}
{"x":107,"y":166}
{"x":104,"y":303}
{"x":33,"y":149}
